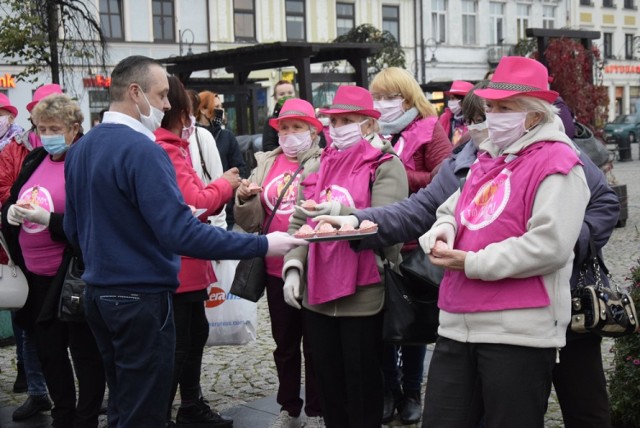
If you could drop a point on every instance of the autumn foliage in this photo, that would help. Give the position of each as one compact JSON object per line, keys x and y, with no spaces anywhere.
{"x":572,"y":68}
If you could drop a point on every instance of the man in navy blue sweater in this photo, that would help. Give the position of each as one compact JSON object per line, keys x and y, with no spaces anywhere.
{"x":125,"y":212}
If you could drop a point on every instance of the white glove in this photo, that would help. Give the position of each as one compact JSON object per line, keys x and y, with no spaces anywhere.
{"x":280,"y":243}
{"x":36,"y":214}
{"x":339,"y":220}
{"x":13,"y":216}
{"x":324,"y":208}
{"x":291,"y":288}
{"x":442,"y":232}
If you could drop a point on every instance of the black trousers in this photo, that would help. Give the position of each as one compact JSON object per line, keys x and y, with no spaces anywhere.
{"x":580,"y":384}
{"x":347,"y":355}
{"x":52,"y":341}
{"x":192,"y":330}
{"x":510,"y":384}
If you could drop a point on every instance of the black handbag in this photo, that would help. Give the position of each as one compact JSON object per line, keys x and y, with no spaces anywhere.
{"x":597,"y":308}
{"x":71,"y":306}
{"x":250,"y":278}
{"x":411,"y":301}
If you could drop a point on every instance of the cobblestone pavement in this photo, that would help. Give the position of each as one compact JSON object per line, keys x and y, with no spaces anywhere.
{"x":237,"y":375}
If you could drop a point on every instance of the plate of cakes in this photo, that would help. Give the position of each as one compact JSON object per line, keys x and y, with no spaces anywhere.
{"x":327,"y":232}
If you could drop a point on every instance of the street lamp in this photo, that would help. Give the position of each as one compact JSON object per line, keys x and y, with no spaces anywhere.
{"x":182,"y":40}
{"x":432,"y":44}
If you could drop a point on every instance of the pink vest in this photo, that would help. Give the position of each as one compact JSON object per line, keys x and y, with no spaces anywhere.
{"x":334,"y":269}
{"x":414,"y":136}
{"x":495,"y":205}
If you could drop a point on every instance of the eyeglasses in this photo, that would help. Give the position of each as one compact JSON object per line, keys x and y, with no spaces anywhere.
{"x":386,"y":97}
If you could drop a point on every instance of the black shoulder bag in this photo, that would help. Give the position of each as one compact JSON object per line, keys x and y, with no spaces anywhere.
{"x":249,"y":281}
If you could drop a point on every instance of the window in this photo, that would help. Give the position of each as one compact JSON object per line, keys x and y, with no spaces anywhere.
{"x":608,"y":3}
{"x":586,"y":3}
{"x":439,"y":20}
{"x":469,"y":12}
{"x":607,"y":44}
{"x":496,"y":22}
{"x":111,"y":19}
{"x":523,"y":13}
{"x":294,"y":10}
{"x":629,"y":4}
{"x":548,"y":16}
{"x":163,"y":20}
{"x":391,"y":20}
{"x":345,"y":18}
{"x":628,"y":46}
{"x":244,"y":19}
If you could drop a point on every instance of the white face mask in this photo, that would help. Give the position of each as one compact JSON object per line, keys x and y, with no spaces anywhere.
{"x":346,"y":135}
{"x":506,"y":128}
{"x":390,"y":110}
{"x":454,"y":106}
{"x":4,"y":125}
{"x":153,"y":121}
{"x":292,"y":144}
{"x":188,"y":131}
{"x":325,"y":121}
{"x":478,"y":132}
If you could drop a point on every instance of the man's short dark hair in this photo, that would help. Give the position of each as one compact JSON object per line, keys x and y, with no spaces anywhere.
{"x":132,"y":69}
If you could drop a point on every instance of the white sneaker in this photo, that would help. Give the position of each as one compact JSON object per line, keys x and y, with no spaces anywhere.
{"x":315,"y":422}
{"x":284,"y":420}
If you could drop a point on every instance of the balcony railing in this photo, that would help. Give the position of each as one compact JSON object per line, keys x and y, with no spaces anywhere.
{"x":496,"y":52}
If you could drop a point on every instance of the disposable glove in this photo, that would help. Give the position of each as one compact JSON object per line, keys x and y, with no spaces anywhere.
{"x":324,"y":208}
{"x":13,"y":216}
{"x":339,"y":220}
{"x":36,"y":214}
{"x":291,"y":288}
{"x":443,"y":232}
{"x":280,"y":243}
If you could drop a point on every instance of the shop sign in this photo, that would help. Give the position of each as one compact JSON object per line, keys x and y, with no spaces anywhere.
{"x":622,"y":69}
{"x":98,"y":81}
{"x":7,"y":81}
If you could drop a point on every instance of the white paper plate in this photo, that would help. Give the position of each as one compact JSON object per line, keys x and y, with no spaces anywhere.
{"x":198,"y":212}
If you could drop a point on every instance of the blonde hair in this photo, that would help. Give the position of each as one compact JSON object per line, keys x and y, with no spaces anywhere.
{"x":395,"y":79}
{"x":58,"y":108}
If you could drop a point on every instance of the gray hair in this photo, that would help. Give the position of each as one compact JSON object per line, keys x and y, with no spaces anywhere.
{"x":536,"y":105}
{"x":133,"y":69}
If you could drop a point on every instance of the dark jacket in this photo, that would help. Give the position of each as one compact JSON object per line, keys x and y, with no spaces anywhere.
{"x":229,"y":149}
{"x":31,"y":312}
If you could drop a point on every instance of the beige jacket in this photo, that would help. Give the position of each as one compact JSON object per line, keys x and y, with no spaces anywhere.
{"x":390,"y":185}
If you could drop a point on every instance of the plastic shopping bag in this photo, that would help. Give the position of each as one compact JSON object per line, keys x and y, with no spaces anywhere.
{"x":232,"y":320}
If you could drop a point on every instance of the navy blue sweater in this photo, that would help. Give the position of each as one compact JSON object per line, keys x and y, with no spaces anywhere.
{"x":127,"y":215}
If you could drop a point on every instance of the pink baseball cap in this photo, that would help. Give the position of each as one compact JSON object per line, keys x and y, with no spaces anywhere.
{"x":5,"y":104}
{"x":295,"y":108}
{"x":352,"y":99}
{"x":43,"y":92}
{"x":517,"y":75}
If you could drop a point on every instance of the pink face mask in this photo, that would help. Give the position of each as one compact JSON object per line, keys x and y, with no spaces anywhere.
{"x":292,"y":144}
{"x":506,"y":128}
{"x":390,"y":110}
{"x":188,"y":131}
{"x":346,"y":135}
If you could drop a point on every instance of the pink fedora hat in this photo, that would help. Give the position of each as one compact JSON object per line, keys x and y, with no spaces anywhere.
{"x":295,"y":108}
{"x":459,"y":87}
{"x":5,"y":104}
{"x":517,"y":75}
{"x":43,"y":92}
{"x":352,"y":99}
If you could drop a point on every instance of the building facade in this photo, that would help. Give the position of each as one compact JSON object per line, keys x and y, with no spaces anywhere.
{"x":443,"y":40}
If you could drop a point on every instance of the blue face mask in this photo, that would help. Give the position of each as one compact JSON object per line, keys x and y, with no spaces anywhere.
{"x":54,"y":144}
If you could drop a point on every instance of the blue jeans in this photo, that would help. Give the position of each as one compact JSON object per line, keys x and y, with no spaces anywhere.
{"x":403,"y":365}
{"x":136,"y":337}
{"x":27,"y":354}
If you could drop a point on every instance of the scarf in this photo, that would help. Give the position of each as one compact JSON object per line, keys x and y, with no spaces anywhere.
{"x":398,"y":125}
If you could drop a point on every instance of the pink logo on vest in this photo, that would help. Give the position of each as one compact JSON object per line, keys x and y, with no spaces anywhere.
{"x":337,"y":193}
{"x":37,"y":195}
{"x":488,"y":203}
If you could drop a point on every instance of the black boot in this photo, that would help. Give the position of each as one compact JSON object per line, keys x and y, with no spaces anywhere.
{"x":200,"y":415}
{"x":411,"y":408}
{"x":20,"y":385}
{"x":31,"y":407}
{"x":392,"y":398}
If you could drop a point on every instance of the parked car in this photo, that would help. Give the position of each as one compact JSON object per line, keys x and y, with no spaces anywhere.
{"x":625,"y":127}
